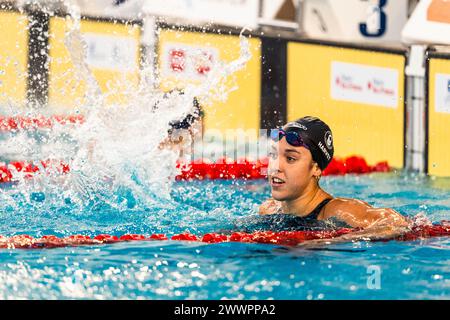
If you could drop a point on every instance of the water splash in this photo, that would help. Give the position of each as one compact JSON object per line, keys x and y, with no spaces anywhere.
{"x":117,"y":147}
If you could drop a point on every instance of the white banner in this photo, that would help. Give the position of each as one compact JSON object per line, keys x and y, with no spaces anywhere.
{"x":227,"y":12}
{"x":111,"y":52}
{"x":442,"y":92}
{"x":241,"y":13}
{"x":364,"y":84}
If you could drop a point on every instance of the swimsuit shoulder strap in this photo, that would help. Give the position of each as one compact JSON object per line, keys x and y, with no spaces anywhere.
{"x":315,"y":213}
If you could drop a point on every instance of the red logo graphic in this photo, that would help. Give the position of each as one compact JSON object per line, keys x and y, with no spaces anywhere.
{"x":345,"y":82}
{"x":177,"y":60}
{"x":377,"y":86}
{"x":203,"y":63}
{"x":190,"y":61}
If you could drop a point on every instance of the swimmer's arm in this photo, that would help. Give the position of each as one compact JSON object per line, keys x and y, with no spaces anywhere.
{"x":377,"y":223}
{"x":360,"y":214}
{"x":270,"y":206}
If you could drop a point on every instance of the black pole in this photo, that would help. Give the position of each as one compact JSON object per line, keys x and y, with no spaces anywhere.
{"x":273,"y":83}
{"x":38,"y":58}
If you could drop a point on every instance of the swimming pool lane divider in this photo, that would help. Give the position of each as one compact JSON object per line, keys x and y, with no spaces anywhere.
{"x":245,"y":169}
{"x":198,"y":170}
{"x":286,"y":238}
{"x":16,"y":123}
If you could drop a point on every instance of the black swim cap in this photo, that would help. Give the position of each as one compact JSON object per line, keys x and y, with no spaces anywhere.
{"x":186,"y":122}
{"x":317,"y":136}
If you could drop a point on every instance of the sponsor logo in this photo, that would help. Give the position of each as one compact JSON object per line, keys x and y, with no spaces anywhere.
{"x":377,"y":87}
{"x":345,"y":82}
{"x":364,"y":84}
{"x":297,"y":125}
{"x":177,"y":60}
{"x":324,"y":150}
{"x":189,"y":62}
{"x":328,"y":139}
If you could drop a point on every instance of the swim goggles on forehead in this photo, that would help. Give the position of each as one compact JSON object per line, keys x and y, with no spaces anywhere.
{"x":292,"y":137}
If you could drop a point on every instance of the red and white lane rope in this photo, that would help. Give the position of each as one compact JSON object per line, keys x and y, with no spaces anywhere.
{"x":287,"y":238}
{"x":16,"y":123}
{"x":204,"y":170}
{"x":201,"y":170}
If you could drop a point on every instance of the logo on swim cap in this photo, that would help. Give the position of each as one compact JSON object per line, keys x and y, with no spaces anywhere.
{"x":329,"y":140}
{"x":296,"y":125}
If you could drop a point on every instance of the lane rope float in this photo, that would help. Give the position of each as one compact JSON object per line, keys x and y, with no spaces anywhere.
{"x":204,"y":170}
{"x":16,"y":123}
{"x":287,"y":238}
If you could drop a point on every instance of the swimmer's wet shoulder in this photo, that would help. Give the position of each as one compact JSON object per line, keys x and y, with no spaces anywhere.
{"x":357,"y":213}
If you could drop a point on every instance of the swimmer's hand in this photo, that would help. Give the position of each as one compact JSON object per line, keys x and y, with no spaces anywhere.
{"x":270,"y":206}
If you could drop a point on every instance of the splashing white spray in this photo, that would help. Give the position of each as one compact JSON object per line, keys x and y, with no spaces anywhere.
{"x":117,"y":146}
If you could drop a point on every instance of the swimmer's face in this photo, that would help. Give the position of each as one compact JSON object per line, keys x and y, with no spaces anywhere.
{"x":291,"y":171}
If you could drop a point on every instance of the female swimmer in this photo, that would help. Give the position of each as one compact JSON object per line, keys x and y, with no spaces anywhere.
{"x":303,"y":149}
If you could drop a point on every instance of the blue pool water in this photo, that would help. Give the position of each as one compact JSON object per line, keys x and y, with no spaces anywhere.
{"x":187,"y":270}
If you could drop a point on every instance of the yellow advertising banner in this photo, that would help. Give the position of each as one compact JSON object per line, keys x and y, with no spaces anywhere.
{"x":190,"y":57}
{"x":112,"y":56}
{"x":359,"y":93}
{"x":13,"y":58}
{"x":439,"y":117}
